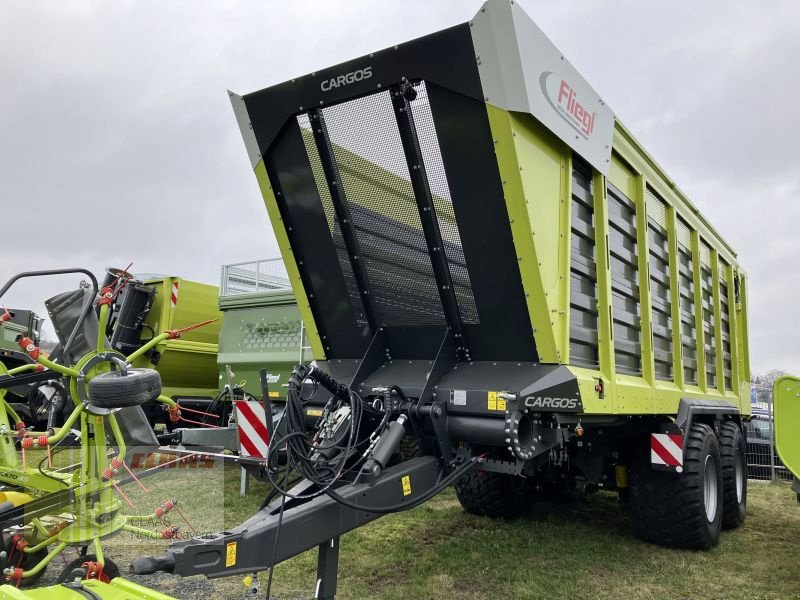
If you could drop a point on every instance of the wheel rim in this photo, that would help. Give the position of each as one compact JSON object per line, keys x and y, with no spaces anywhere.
{"x":710,"y":489}
{"x":739,"y":477}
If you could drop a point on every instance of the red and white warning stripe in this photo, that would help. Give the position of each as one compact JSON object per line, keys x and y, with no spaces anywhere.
{"x":174,"y":298}
{"x":666,"y":450}
{"x":252,"y":426}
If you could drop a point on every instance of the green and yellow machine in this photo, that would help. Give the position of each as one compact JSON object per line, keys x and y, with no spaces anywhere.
{"x":116,"y":589}
{"x":488,"y":264}
{"x":261,"y":327}
{"x":186,"y":365}
{"x":146,"y":307}
{"x":47,"y":509}
{"x":786,"y":398}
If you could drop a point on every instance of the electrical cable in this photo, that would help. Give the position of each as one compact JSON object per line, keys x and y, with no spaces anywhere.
{"x":307,"y":457}
{"x":277,"y":534}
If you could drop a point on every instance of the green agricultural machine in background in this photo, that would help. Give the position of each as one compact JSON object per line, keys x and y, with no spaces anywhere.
{"x":153,"y":304}
{"x":261,"y":327}
{"x":146,"y":307}
{"x":786,"y":398}
{"x":489,"y":265}
{"x":33,"y":402}
{"x":46,"y":508}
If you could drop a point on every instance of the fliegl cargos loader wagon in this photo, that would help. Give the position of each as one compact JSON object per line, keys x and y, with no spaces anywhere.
{"x":488,"y":263}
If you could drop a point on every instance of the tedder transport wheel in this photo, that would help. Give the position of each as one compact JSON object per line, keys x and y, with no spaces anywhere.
{"x":495,"y":495}
{"x":734,"y":475}
{"x":117,"y":390}
{"x":110,"y":569}
{"x":681,"y":510}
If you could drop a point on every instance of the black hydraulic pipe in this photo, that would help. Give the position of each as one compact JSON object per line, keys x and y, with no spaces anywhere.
{"x":387,"y":446}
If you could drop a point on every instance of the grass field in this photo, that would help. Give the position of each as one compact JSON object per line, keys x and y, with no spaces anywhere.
{"x":582,"y":550}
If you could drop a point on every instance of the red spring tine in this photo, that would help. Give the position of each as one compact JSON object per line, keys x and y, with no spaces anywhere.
{"x":199,"y":412}
{"x":200,"y":424}
{"x":185,"y":520}
{"x":124,"y":497}
{"x":136,"y":479}
{"x":128,"y":277}
{"x":176,"y":333}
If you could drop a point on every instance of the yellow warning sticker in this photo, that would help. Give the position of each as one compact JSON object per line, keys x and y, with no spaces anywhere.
{"x":406,"y":481}
{"x":230,"y":554}
{"x":501,"y":404}
{"x":314,"y":412}
{"x":492,"y":400}
{"x":274,"y":395}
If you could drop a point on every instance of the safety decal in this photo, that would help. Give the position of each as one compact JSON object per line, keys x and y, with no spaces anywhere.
{"x":406,"y":481}
{"x":230,"y":554}
{"x":252,"y":428}
{"x":666,"y":449}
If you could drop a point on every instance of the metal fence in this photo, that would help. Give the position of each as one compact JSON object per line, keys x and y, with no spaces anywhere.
{"x":254,"y":277}
{"x":763,"y":461}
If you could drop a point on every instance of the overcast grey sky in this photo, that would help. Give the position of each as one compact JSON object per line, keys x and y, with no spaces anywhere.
{"x":118,"y":144}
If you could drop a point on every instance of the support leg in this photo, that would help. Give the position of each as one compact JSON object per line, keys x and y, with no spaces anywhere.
{"x":327,"y":569}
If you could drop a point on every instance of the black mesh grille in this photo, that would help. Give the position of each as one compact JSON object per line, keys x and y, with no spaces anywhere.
{"x":583,"y":345}
{"x":369,"y":157}
{"x":707,"y":295}
{"x":437,"y":180}
{"x":725,"y":321}
{"x":687,"y":309}
{"x":330,"y":215}
{"x":626,"y":306}
{"x":368,"y":151}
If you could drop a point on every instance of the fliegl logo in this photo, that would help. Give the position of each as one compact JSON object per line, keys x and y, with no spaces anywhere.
{"x":346,"y":79}
{"x":565,"y":100}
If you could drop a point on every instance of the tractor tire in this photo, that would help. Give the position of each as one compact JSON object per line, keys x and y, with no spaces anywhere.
{"x":681,"y":510}
{"x":734,"y":475}
{"x":110,"y":569}
{"x":495,"y":495}
{"x":115,"y":390}
{"x":409,"y":448}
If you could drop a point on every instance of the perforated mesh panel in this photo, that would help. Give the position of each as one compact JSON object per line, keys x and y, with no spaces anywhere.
{"x":368,"y":151}
{"x":583,"y":345}
{"x":660,"y":285}
{"x":683,"y":233}
{"x":330,"y":215}
{"x":725,"y":320}
{"x":626,"y":306}
{"x":443,"y":203}
{"x":656,"y":208}
{"x":705,"y":254}
{"x":707,"y":294}
{"x":377,"y":188}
